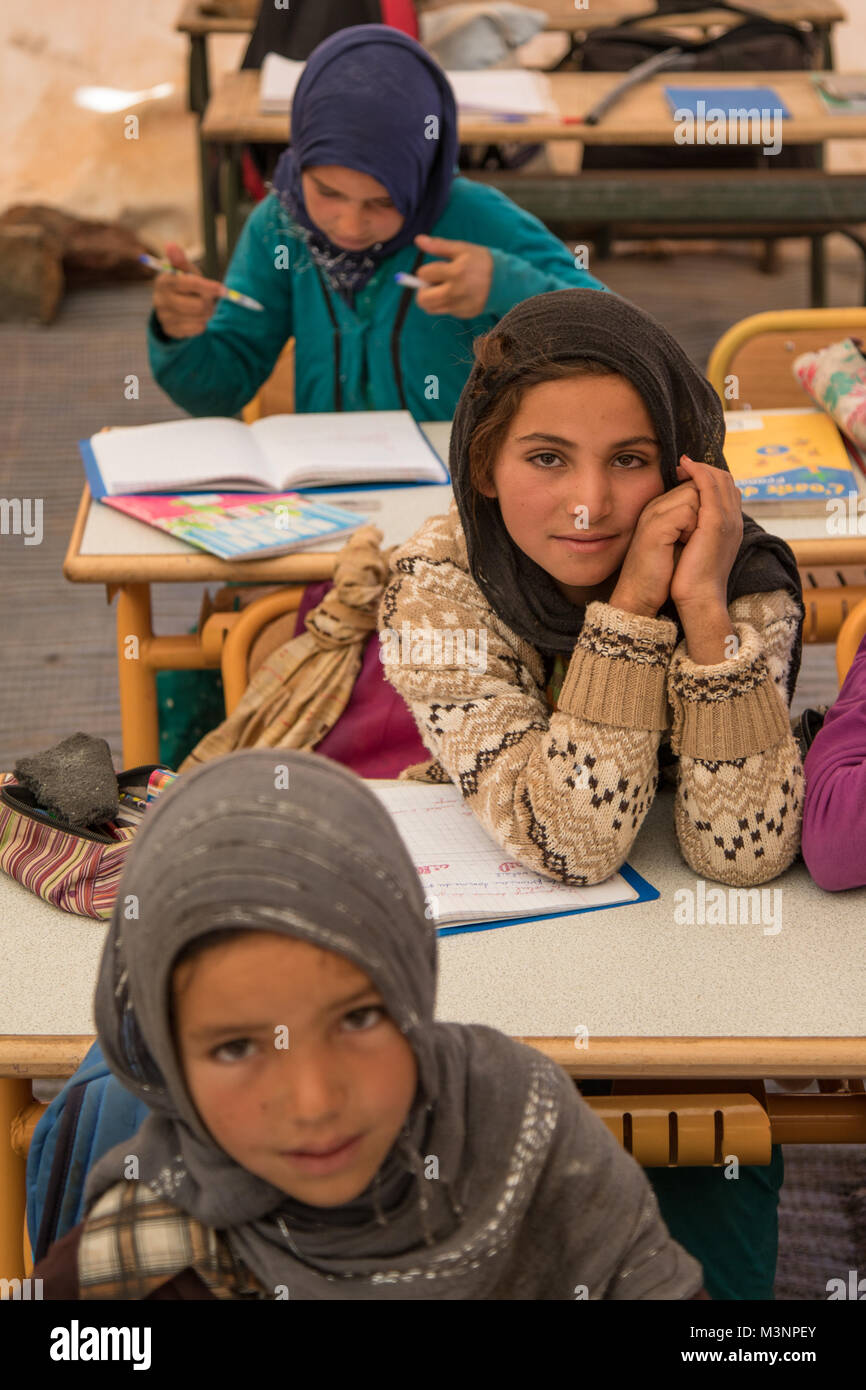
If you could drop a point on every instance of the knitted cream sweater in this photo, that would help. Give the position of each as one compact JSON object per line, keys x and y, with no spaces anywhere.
{"x":565,"y":791}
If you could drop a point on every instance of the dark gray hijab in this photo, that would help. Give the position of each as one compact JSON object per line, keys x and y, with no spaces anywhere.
{"x":532,"y":1195}
{"x":562,"y":326}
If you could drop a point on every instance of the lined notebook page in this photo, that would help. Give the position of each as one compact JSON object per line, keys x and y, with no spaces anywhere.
{"x":466,"y":874}
{"x":347,"y":446}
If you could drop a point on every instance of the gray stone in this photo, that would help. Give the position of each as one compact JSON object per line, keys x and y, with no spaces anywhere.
{"x":75,"y":779}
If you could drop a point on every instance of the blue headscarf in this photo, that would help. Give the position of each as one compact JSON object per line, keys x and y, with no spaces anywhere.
{"x":365,"y":101}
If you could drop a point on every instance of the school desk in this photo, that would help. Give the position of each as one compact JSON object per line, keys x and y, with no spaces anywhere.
{"x":128,"y":556}
{"x":688,"y":1020}
{"x":788,"y":202}
{"x":567,"y":15}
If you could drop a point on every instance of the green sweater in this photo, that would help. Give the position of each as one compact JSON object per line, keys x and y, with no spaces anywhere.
{"x":389,"y":354}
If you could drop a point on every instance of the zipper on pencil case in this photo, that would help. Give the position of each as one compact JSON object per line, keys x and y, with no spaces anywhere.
{"x":44,"y":818}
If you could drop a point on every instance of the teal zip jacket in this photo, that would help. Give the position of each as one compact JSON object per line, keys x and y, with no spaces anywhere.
{"x":386,"y":353}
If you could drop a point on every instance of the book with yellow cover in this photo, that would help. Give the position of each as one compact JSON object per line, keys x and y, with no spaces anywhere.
{"x":788,"y":462}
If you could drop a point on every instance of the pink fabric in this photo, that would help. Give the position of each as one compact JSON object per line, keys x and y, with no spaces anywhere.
{"x":834,"y":814}
{"x":375,"y":735}
{"x":400,"y":14}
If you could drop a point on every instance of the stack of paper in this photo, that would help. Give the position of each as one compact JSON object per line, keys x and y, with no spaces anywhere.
{"x":279,"y":78}
{"x":503,"y":92}
{"x":491,"y":91}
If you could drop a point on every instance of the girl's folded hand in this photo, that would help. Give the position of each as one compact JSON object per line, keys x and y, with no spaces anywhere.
{"x":459,"y":284}
{"x":662,"y":529}
{"x":700,"y":582}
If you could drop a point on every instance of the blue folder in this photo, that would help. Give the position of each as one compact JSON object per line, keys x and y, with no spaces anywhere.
{"x":726,"y":99}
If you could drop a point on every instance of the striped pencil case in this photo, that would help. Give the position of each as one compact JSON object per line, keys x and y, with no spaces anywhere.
{"x":76,"y":869}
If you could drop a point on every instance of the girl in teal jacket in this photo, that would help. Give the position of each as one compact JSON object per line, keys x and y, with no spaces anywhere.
{"x":366,"y":189}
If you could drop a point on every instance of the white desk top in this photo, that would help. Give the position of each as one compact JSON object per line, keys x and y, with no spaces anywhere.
{"x":622,"y":972}
{"x":397,"y":511}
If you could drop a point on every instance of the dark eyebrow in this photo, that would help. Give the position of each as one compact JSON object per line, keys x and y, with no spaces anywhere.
{"x":549,"y":438}
{"x":235,"y":1029}
{"x":569,"y":443}
{"x":363,"y":993}
{"x":243,"y":1029}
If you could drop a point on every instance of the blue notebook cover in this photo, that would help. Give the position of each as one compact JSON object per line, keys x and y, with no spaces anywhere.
{"x":91,"y":469}
{"x":725,"y":99}
{"x":646,"y":894}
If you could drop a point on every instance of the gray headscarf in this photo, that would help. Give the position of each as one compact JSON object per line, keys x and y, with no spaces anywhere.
{"x":532,"y":1195}
{"x":688,"y":417}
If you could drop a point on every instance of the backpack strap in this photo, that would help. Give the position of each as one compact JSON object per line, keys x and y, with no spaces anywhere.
{"x":58,"y":1176}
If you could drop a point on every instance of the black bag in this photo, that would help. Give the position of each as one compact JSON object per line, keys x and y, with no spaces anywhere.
{"x":807,"y":725}
{"x":294,"y":33}
{"x":756,"y":45}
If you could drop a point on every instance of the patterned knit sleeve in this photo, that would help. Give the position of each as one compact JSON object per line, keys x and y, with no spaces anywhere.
{"x":565,"y":792}
{"x":739,"y":799}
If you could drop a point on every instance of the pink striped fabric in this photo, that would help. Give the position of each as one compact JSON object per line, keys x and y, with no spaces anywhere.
{"x":67,"y":870}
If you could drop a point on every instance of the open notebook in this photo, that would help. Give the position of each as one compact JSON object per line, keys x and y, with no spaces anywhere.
{"x":469,"y":883}
{"x":279,"y":453}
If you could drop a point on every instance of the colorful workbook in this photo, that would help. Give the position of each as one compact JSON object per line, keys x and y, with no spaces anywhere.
{"x":470,"y":883}
{"x":238,"y":527}
{"x":279,"y":453}
{"x":790,"y":462}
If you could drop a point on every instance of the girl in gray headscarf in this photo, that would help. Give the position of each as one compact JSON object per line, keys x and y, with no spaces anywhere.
{"x":267,"y":988}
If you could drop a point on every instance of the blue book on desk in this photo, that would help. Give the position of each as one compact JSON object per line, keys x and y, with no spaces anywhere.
{"x":470,"y":882}
{"x":278,"y":453}
{"x":705,"y":103}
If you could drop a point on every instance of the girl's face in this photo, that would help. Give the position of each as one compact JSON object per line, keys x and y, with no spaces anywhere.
{"x":353,"y":210}
{"x":583,"y":442}
{"x":293,"y":1064}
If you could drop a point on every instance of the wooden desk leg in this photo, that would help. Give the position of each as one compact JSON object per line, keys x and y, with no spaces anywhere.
{"x":136,"y":680}
{"x":818,"y":273}
{"x":232,"y":187}
{"x":199,"y":79}
{"x":825,"y":33}
{"x":15,"y":1094}
{"x":199,"y":95}
{"x":208,"y":211}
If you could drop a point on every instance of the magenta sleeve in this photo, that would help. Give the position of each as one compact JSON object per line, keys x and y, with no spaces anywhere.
{"x":834,"y":815}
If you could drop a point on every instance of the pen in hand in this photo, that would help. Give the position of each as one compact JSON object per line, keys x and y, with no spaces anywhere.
{"x":410,"y":281}
{"x":244,"y":300}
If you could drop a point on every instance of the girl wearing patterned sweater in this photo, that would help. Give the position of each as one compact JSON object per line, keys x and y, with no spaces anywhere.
{"x":597,"y":555}
{"x":619,"y":612}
